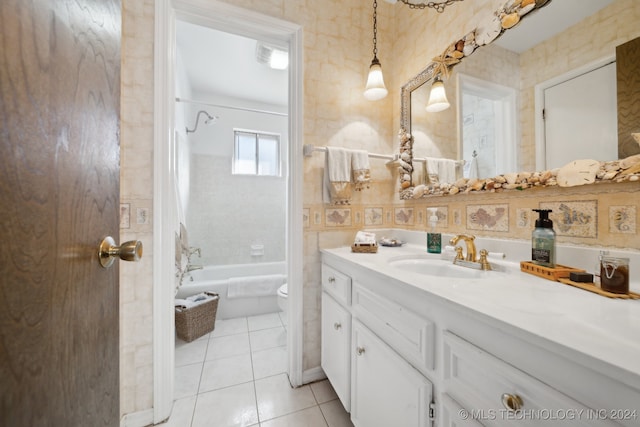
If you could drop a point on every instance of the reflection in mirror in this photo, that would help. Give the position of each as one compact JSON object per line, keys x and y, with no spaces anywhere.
{"x":507,"y":143}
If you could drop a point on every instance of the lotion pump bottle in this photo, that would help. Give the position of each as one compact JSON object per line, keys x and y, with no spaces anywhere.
{"x":434,"y":239}
{"x":543,"y":240}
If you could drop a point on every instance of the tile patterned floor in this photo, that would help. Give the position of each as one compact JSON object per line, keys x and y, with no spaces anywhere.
{"x":236,"y":376}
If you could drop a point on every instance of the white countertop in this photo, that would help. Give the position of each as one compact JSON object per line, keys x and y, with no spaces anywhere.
{"x":604,"y":329}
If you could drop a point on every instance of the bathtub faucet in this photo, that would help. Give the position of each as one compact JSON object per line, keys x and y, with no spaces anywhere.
{"x":193,"y":250}
{"x":191,"y":267}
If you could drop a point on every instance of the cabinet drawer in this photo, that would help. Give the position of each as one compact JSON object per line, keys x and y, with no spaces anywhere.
{"x":409,"y":334}
{"x":489,"y":386}
{"x":336,"y":284}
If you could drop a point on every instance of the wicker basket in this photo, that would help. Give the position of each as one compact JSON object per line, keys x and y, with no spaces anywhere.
{"x":367,"y":248}
{"x":194,"y":322}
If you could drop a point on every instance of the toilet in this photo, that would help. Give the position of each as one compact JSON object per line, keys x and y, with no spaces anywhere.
{"x":283,"y":292}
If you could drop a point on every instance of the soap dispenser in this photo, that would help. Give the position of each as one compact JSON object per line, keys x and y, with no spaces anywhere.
{"x":543,"y":240}
{"x":434,"y":239}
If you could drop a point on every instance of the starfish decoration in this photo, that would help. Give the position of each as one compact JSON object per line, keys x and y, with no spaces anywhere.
{"x":443,"y":64}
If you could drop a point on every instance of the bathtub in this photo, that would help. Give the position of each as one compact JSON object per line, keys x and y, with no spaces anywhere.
{"x":215,"y":278}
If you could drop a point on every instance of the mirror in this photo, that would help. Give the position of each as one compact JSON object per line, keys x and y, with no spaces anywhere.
{"x":477,"y":72}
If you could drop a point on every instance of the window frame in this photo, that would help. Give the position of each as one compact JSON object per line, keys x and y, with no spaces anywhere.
{"x":256,"y":134}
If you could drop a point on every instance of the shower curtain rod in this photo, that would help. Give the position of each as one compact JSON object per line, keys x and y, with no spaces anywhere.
{"x":253,"y":110}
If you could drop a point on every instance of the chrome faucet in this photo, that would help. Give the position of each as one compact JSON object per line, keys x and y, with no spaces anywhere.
{"x":471,"y":247}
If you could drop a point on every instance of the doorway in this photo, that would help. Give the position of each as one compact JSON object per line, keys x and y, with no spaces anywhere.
{"x":222,"y":17}
{"x":488,"y":127}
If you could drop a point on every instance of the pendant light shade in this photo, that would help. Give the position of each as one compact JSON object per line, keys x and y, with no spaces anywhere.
{"x":438,"y":97}
{"x":375,"y":89}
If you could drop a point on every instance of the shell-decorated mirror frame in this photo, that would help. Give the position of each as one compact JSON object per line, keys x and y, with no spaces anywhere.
{"x":576,"y":173}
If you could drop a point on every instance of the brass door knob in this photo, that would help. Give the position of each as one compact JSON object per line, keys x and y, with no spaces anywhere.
{"x":337,"y":326}
{"x":512,"y":402}
{"x":128,"y":251}
{"x":360,"y":351}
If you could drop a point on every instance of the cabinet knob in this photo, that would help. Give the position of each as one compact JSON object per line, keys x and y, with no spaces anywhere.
{"x":332,"y":279}
{"x":360,"y":350}
{"x":337,"y":326}
{"x":512,"y":402}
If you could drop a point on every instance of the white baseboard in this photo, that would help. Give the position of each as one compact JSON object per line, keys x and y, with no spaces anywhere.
{"x":137,"y":419}
{"x":313,"y":374}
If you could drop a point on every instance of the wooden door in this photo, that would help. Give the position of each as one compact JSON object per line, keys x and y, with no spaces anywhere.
{"x":59,"y":196}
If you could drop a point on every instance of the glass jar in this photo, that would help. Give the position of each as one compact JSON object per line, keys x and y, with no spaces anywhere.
{"x":614,"y":275}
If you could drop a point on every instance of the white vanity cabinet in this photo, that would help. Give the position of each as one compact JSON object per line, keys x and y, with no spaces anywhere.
{"x":416,"y":357}
{"x":386,"y":390}
{"x":336,"y":332}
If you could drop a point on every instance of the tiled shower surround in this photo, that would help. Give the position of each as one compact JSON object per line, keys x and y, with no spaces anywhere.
{"x":337,"y":53}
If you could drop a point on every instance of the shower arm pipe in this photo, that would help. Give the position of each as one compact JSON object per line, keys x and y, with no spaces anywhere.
{"x":209,"y":119}
{"x":230,"y":107}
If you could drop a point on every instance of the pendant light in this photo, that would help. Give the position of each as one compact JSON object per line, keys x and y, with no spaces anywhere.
{"x":438,"y":97}
{"x":375,"y":89}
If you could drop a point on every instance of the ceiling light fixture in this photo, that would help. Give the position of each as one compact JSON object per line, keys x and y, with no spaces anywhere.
{"x":375,"y":88}
{"x":436,"y":5}
{"x":275,"y":58}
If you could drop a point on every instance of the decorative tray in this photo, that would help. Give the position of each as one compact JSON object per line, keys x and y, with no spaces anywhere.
{"x":393,"y":243}
{"x":592,"y":287}
{"x":550,"y":273}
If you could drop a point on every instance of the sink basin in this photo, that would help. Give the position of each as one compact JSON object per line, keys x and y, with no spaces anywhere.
{"x":435,"y":267}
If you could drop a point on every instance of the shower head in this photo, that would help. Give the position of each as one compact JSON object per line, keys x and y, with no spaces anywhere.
{"x":209,"y":120}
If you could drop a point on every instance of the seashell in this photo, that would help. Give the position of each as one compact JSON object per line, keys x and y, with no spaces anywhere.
{"x":526,"y":9}
{"x":578,"y":172}
{"x":461,"y":182}
{"x":523,"y":176}
{"x":405,"y":156}
{"x":630,"y":161}
{"x":526,"y":3}
{"x":511,"y":178}
{"x":513,"y":186}
{"x":456,"y":54}
{"x":500,"y":179}
{"x":487,"y":32}
{"x":406,"y":177}
{"x":490,"y":185}
{"x":633,"y":169}
{"x":469,"y":48}
{"x":405,"y":184}
{"x":510,"y":20}
{"x":634,"y":178}
{"x":454,"y":189}
{"x":477,"y":185}
{"x":609,"y":175}
{"x":418,"y":191}
{"x":404,"y":165}
{"x":460,"y":45}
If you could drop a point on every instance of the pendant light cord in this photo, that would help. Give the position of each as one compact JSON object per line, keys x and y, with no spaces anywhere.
{"x":375,"y":30}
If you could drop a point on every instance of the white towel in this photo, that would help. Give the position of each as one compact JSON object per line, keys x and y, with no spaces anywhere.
{"x":441,"y":171}
{"x":471,"y":169}
{"x":254,"y":286}
{"x":193,"y":300}
{"x":337,"y":176}
{"x":360,"y":169}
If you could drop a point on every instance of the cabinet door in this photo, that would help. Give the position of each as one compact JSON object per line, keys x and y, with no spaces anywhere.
{"x":336,"y":340}
{"x":386,"y":390}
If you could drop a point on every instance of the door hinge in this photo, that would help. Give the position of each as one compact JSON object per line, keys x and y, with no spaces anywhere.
{"x":544,"y":114}
{"x":432,"y":411}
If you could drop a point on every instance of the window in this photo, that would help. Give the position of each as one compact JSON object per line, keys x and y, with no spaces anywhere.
{"x":256,"y":153}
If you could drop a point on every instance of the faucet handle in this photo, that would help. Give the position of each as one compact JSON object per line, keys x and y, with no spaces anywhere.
{"x":458,"y":253}
{"x":484,"y":263}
